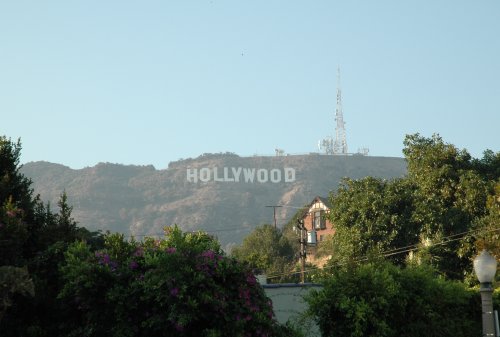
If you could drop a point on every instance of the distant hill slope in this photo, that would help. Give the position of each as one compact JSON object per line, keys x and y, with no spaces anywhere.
{"x":223,"y":194}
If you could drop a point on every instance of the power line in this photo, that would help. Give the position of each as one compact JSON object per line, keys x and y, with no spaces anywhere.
{"x":296,"y":207}
{"x":227,"y":229}
{"x":395,"y":251}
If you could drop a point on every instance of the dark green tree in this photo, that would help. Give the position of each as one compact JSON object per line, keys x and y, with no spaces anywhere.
{"x":428,"y":215}
{"x":267,"y":250}
{"x":32,"y":239}
{"x":14,"y":185}
{"x":485,"y":233}
{"x":370,"y":216}
{"x":489,"y":165}
{"x":450,"y":196}
{"x":380,"y":299}
{"x":17,"y":205}
{"x":13,"y":280}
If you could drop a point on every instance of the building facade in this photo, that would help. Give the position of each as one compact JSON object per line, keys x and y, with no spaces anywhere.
{"x":318,"y":227}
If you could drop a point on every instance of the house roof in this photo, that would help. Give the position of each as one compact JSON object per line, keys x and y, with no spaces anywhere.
{"x":325,"y":201}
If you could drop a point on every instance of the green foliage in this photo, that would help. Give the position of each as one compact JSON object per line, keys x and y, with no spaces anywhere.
{"x":27,"y":227}
{"x":183,"y":285}
{"x":13,"y":280}
{"x":444,"y":196}
{"x":34,"y":238}
{"x":16,"y":205}
{"x":196,"y":242}
{"x":99,"y":286}
{"x":178,"y":286}
{"x":14,"y":185}
{"x":489,"y":165}
{"x":13,"y":234}
{"x":267,"y":250}
{"x":380,"y":299}
{"x":485,"y":232}
{"x":371,"y":216}
{"x":450,"y":197}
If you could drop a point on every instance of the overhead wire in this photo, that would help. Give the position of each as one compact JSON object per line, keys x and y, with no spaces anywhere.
{"x":226,"y":229}
{"x":391,"y":252}
{"x":217,"y":230}
{"x":395,"y":251}
{"x":223,"y":229}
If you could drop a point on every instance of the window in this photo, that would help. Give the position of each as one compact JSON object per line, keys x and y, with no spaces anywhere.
{"x":319,"y":220}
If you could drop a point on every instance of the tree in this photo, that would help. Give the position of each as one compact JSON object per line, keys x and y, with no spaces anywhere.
{"x":450,"y":196}
{"x":13,"y":234}
{"x":32,"y":241}
{"x":383,"y":300}
{"x":13,"y":280}
{"x":266,"y":249}
{"x":16,"y":205}
{"x":14,"y":185}
{"x":427,"y":215}
{"x":371,"y":215}
{"x":178,"y":286}
{"x":484,"y":234}
{"x":489,"y":165}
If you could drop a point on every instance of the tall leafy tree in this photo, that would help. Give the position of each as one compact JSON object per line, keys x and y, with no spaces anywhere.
{"x":489,"y":165}
{"x":442,"y":199}
{"x":485,"y":233}
{"x":14,"y":185}
{"x":17,"y":205}
{"x":371,"y":215}
{"x":32,"y":241}
{"x":266,"y":249}
{"x":450,"y":196}
{"x":450,"y":193}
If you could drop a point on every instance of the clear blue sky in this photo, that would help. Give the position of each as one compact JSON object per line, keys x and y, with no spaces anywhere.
{"x":149,"y":82}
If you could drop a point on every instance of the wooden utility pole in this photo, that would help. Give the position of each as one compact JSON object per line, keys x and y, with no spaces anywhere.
{"x":274,"y":212}
{"x":303,"y":245}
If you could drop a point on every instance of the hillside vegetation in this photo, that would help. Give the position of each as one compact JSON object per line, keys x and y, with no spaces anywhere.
{"x":140,"y":200}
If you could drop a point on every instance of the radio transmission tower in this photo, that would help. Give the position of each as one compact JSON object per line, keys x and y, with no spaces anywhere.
{"x":340,"y":144}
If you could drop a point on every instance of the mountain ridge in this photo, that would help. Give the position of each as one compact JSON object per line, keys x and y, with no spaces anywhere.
{"x":223,"y":194}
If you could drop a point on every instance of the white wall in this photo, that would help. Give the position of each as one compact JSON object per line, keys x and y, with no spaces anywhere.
{"x":288,"y":302}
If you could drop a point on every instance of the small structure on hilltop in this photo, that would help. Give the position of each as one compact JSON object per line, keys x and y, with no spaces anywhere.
{"x":339,"y":144}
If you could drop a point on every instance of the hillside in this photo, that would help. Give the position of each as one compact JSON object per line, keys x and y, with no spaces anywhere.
{"x":223,"y":194}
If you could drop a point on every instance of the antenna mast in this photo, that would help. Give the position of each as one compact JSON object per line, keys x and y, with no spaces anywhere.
{"x":340,"y":144}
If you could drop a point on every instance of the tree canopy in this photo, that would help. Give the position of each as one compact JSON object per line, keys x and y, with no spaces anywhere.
{"x":371,"y":215}
{"x":383,"y":300}
{"x":268,"y":250}
{"x":32,"y":241}
{"x":435,"y":212}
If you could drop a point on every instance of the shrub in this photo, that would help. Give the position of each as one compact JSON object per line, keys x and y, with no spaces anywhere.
{"x":384,"y":300}
{"x":182,"y":285}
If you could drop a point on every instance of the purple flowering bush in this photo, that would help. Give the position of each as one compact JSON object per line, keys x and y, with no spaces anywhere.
{"x":182,"y":285}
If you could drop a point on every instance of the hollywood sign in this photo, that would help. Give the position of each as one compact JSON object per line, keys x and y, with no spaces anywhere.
{"x":240,"y":174}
